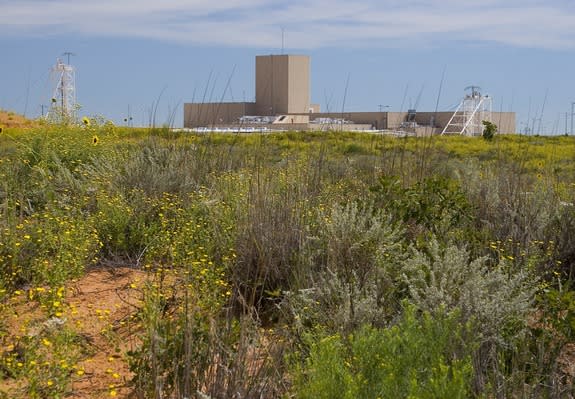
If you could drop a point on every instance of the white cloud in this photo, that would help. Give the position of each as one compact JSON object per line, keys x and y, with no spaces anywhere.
{"x":308,"y":24}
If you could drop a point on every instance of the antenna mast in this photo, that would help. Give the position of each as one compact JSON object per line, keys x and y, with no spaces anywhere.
{"x":63,"y":104}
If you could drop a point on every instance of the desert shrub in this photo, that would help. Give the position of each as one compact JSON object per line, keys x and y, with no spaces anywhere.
{"x":192,"y":344}
{"x":114,"y":220}
{"x":47,"y":249}
{"x":523,"y":219}
{"x":187,"y":291}
{"x":435,"y":204}
{"x":42,"y":363}
{"x":561,"y":231}
{"x":494,"y":296}
{"x":539,"y":363}
{"x":26,"y":180}
{"x":270,"y":235}
{"x":193,"y":233}
{"x":43,"y":168}
{"x":509,"y":204}
{"x":157,"y":167}
{"x":352,"y":269}
{"x":419,"y":357}
{"x":127,"y":224}
{"x":176,"y":165}
{"x":496,"y":300}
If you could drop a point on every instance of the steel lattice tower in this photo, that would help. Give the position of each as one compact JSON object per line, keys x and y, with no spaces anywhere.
{"x":63,"y":104}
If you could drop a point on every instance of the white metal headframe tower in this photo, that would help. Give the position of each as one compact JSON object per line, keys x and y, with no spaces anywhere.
{"x":469,"y":115}
{"x":63,"y":104}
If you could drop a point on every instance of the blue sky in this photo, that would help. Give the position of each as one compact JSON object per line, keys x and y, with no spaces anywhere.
{"x":131,"y":54}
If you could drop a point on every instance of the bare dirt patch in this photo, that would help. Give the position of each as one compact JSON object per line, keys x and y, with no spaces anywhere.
{"x":105,"y":302}
{"x":101,"y":309}
{"x":12,"y":119}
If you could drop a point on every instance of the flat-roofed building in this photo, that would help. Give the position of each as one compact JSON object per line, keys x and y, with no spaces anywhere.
{"x":282,"y":88}
{"x":282,"y":92}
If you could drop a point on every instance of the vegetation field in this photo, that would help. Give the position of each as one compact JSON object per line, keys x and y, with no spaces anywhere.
{"x":150,"y":263}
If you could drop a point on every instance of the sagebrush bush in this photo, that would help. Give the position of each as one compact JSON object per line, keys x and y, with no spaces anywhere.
{"x":161,"y":168}
{"x":510,"y":204}
{"x":493,"y":297}
{"x":496,"y":300}
{"x":352,"y":269}
{"x":180,"y":165}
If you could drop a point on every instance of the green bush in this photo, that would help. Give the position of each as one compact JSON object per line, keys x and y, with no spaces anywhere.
{"x":420,"y":357}
{"x":48,"y":248}
{"x":435,"y":204}
{"x":489,"y":130}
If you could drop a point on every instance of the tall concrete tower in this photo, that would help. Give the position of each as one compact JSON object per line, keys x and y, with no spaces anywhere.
{"x":282,"y":84}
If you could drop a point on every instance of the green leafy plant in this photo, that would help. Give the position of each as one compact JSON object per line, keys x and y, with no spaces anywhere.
{"x":489,"y":130}
{"x":420,"y":357}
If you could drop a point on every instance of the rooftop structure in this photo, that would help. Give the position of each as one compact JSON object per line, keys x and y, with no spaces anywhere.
{"x":282,"y":84}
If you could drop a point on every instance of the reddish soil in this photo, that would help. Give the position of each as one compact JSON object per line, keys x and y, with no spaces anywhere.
{"x":101,"y":306}
{"x":11,"y":119}
{"x":100,"y":309}
{"x":104,"y":302}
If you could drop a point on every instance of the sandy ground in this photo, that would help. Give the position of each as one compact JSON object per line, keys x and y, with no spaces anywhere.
{"x":10,"y":119}
{"x":104,"y":302}
{"x":100,"y":309}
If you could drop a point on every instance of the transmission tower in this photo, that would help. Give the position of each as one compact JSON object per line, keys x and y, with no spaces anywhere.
{"x":468,"y":118}
{"x":63,"y":104}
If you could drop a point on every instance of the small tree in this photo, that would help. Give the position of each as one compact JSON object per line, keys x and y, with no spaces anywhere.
{"x":489,"y":130}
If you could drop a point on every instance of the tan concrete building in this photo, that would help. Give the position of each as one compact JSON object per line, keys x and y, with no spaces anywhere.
{"x":282,"y":84}
{"x":282,"y":90}
{"x":283,"y":103}
{"x":214,"y":114}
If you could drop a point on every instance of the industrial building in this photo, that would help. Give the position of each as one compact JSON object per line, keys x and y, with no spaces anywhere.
{"x":283,"y":103}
